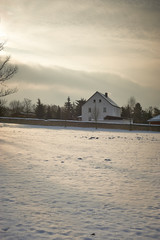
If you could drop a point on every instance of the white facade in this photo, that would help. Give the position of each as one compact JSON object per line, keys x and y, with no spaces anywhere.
{"x":98,"y":107}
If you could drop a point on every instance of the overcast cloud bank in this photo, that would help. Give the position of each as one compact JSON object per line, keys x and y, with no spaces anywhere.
{"x":101,"y":45}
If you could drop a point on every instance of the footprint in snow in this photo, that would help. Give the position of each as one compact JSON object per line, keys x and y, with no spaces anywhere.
{"x":5,"y":229}
{"x":107,"y":159}
{"x":93,"y":138}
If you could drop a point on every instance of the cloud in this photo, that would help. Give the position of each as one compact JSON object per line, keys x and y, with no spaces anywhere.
{"x":46,"y":21}
{"x":54,"y":85}
{"x":95,"y":45}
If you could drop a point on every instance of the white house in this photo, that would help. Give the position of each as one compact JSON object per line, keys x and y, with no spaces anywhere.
{"x":99,"y":107}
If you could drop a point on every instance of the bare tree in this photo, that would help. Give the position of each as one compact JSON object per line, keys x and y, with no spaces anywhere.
{"x":2,"y":107}
{"x":7,"y":71}
{"x":132,"y":103}
{"x":95,"y":114}
{"x":16,"y":107}
{"x":27,"y":103}
{"x":131,"y":106}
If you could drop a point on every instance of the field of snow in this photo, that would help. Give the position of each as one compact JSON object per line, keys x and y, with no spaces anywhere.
{"x":78,"y":184}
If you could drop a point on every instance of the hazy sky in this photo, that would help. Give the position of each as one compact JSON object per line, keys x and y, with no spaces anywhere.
{"x":76,"y":47}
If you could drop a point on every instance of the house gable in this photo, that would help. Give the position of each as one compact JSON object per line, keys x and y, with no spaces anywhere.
{"x":107,"y":99}
{"x":98,"y":107}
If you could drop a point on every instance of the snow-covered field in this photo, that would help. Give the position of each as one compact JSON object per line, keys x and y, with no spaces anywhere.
{"x":58,"y":183}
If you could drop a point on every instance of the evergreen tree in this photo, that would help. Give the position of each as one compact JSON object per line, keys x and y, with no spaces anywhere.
{"x":126,"y":112}
{"x":73,"y":111}
{"x":58,"y":114}
{"x":68,"y":109}
{"x":137,"y":114}
{"x":40,"y":109}
{"x":79,"y":104}
{"x":48,"y":113}
{"x":146,"y":115}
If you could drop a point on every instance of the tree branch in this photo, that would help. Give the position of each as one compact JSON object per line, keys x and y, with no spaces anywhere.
{"x":8,"y":91}
{"x":7,"y":71}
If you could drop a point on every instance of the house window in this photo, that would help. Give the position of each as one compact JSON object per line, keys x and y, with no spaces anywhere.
{"x":94,"y":100}
{"x":89,"y":110}
{"x":104,"y":109}
{"x":100,"y":100}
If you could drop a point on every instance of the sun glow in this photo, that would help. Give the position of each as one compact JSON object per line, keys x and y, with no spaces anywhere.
{"x":3,"y":34}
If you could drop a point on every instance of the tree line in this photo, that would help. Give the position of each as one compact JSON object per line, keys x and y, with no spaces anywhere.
{"x":133,"y":110}
{"x":70,"y":110}
{"x":25,"y":108}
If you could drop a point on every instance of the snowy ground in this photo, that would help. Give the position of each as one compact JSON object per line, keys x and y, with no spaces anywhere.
{"x":58,"y":183}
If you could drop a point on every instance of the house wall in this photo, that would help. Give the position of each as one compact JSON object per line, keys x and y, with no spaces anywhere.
{"x":97,"y":104}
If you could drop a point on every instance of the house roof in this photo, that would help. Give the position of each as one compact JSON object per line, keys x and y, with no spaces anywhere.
{"x":109,"y":100}
{"x":106,"y":98}
{"x":155,"y":119}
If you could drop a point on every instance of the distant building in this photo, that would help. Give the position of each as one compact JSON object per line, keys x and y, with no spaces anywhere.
{"x":155,"y":120}
{"x":99,"y":107}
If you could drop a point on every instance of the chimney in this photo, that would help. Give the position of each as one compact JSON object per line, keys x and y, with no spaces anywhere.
{"x":106,"y":94}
